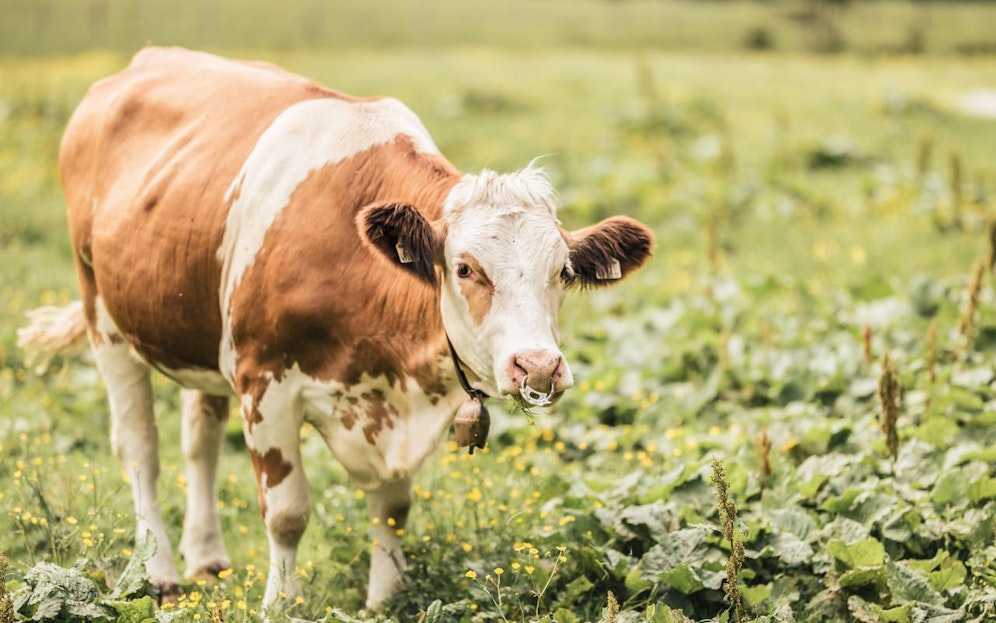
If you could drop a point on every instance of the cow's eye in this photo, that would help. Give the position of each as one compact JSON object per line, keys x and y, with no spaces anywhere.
{"x":463,"y":271}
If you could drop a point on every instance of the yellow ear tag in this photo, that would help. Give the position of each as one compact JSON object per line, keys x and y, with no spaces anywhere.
{"x":403,"y":254}
{"x":612,"y":271}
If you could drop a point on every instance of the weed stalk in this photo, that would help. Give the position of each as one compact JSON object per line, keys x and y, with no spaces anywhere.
{"x":764,"y":453}
{"x":728,"y":519}
{"x":932,"y":351}
{"x":866,"y":340}
{"x":6,"y":603}
{"x":888,"y":396}
{"x":611,"y":609}
{"x":991,"y":238}
{"x":955,"y":182}
{"x":966,"y":322}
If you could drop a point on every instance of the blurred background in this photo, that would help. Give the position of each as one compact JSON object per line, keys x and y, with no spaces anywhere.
{"x":861,"y":26}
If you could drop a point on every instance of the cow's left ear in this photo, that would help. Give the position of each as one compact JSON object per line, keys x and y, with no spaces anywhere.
{"x":399,"y":233}
{"x":603,"y":254}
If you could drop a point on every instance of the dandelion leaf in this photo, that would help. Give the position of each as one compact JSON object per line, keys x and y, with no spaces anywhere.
{"x":906,"y":585}
{"x":132,"y":579}
{"x":863,"y":554}
{"x":56,"y":594}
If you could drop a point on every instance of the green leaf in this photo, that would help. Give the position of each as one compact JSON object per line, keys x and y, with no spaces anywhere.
{"x":854,"y":578}
{"x":682,"y":579}
{"x":579,"y":586}
{"x":133,"y":578}
{"x":754,"y":595}
{"x":867,"y":612}
{"x":906,"y":585}
{"x":563,"y":615}
{"x":54,"y":593}
{"x":791,"y":549}
{"x":635,"y":582}
{"x":136,"y":611}
{"x":841,"y":503}
{"x":863,"y":554}
{"x":982,"y":489}
{"x":951,"y":489}
{"x":434,"y":613}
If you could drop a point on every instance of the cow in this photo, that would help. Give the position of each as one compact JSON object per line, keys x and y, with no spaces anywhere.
{"x":251,"y":234}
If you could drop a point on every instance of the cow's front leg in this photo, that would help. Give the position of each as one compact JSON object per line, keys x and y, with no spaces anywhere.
{"x":388,"y":508}
{"x":272,"y":428}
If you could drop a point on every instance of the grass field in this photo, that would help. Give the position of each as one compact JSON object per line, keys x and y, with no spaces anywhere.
{"x":813,"y":216}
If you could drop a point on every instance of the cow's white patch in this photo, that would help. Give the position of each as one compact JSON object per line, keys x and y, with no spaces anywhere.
{"x":203,"y":379}
{"x":304,"y":138}
{"x":342,"y":415}
{"x":106,"y":328}
{"x":508,"y":224}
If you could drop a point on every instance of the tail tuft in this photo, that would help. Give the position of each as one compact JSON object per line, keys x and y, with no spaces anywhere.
{"x":52,"y":330}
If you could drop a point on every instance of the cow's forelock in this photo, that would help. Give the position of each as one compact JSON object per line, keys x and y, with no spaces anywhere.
{"x":504,"y":227}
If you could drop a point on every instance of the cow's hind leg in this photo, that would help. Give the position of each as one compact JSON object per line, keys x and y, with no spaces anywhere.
{"x":388,"y":508}
{"x":202,"y":545}
{"x":135,"y":440}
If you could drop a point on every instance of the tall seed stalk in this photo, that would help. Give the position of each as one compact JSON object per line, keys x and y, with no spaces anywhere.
{"x":991,"y":238}
{"x":966,"y":322}
{"x":764,"y":453}
{"x":6,"y":603}
{"x":955,"y":183}
{"x":932,"y":351}
{"x":866,"y":342}
{"x":728,"y":518}
{"x":888,"y":397}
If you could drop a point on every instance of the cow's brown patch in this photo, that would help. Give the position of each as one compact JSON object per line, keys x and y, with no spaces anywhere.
{"x":254,"y":387}
{"x":379,"y":414}
{"x":350,"y":314}
{"x":145,"y":162}
{"x":476,"y":288}
{"x":272,"y":465}
{"x":287,"y":528}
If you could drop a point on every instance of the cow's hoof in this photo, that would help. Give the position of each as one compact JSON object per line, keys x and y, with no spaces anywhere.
{"x":169,"y":592}
{"x":208,"y":570}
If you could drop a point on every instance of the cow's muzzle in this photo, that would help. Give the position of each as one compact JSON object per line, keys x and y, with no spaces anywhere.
{"x":539,"y":377}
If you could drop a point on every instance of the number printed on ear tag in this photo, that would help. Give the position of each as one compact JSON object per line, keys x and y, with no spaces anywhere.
{"x":405,"y":256}
{"x":612,"y":271}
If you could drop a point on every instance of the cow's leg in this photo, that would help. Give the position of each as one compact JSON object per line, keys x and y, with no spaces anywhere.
{"x":135,"y":440}
{"x":388,"y":508}
{"x":272,"y":428}
{"x":204,"y":418}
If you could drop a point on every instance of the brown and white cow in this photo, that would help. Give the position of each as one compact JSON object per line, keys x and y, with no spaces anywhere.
{"x":244,"y":230}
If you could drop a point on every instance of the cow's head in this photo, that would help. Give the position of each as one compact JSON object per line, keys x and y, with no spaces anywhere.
{"x":502,"y":264}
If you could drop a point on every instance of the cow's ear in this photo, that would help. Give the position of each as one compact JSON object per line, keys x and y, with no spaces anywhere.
{"x":399,"y":233}
{"x":603,"y":254}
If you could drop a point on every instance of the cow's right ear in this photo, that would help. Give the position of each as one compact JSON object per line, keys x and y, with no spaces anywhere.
{"x":399,"y":233}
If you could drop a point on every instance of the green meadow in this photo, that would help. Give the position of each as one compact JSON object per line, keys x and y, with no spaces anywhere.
{"x":794,"y":399}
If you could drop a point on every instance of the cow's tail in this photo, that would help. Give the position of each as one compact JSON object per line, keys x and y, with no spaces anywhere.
{"x":52,"y":330}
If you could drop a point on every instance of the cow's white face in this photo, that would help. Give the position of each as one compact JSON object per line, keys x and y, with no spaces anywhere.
{"x":504,"y":258}
{"x":502,"y":263}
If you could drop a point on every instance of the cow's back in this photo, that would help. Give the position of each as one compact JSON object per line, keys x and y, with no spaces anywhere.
{"x":146,"y":161}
